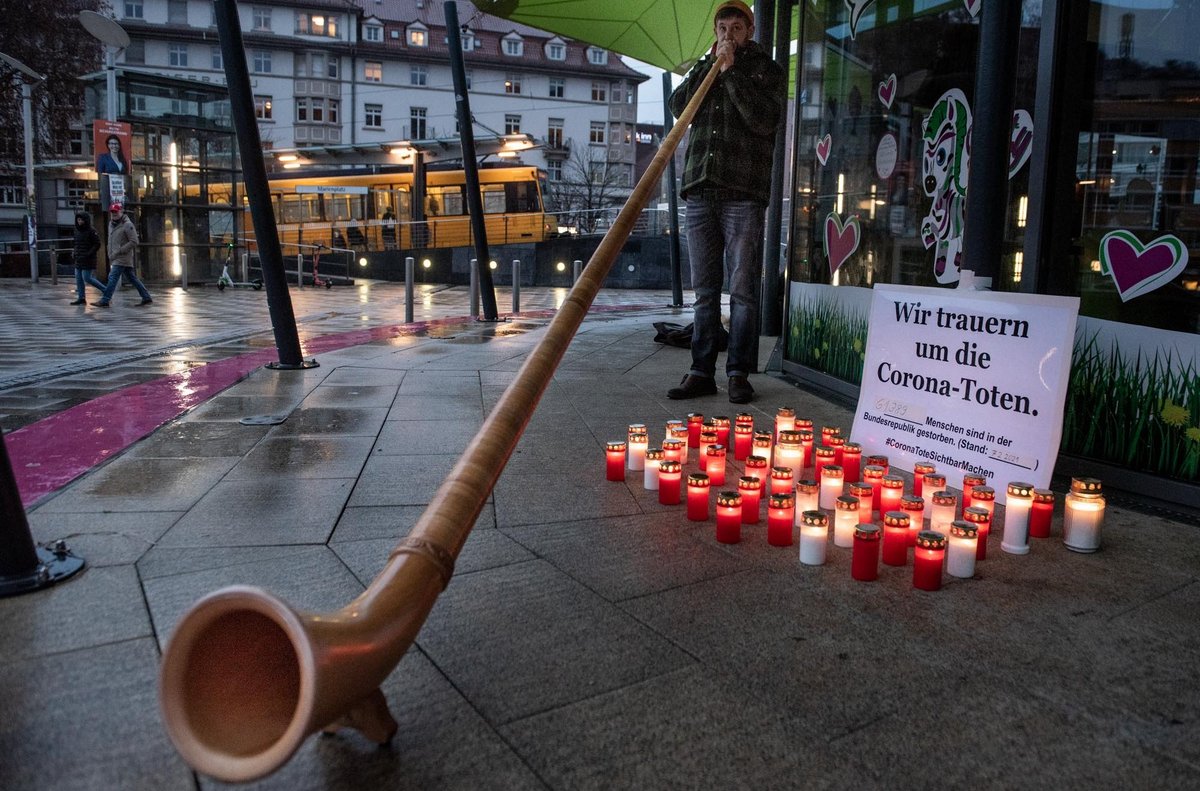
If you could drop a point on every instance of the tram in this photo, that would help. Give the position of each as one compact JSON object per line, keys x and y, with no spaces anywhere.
{"x":373,"y":211}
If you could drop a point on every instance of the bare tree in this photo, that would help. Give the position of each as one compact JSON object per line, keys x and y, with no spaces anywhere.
{"x":47,"y":37}
{"x":589,"y":184}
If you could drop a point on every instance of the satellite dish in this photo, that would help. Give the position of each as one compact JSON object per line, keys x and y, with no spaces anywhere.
{"x":105,"y":29}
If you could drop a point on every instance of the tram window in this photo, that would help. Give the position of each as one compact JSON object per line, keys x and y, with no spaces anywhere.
{"x":299,"y":208}
{"x":493,"y":198}
{"x":343,"y":207}
{"x":386,"y":198}
{"x":444,"y":200}
{"x":522,"y":196}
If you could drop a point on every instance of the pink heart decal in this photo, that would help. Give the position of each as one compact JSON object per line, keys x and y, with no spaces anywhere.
{"x":972,"y":7}
{"x":1138,"y":268}
{"x":841,"y":239}
{"x":1019,"y":141}
{"x":887,"y":91}
{"x":823,"y":147}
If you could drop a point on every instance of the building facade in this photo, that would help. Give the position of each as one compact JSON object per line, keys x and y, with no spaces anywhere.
{"x":334,"y":72}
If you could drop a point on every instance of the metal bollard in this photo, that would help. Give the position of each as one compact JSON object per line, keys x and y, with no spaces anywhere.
{"x":474,"y":279}
{"x":245,"y":278}
{"x":300,"y":270}
{"x":516,"y":285}
{"x":183,"y":270}
{"x":409,"y":274}
{"x":577,"y":269}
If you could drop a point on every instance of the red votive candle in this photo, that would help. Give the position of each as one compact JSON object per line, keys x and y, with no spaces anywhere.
{"x":761,"y":445}
{"x":1039,"y":516}
{"x":984,"y":497}
{"x":757,"y":466}
{"x":928,"y":557}
{"x":970,"y":481}
{"x":806,"y":445}
{"x":729,"y":517}
{"x":708,"y":438}
{"x":721,"y":423}
{"x":838,"y":443}
{"x":716,"y":464}
{"x":822,"y":455}
{"x":865,"y":493}
{"x":803,"y":424}
{"x":895,"y":538}
{"x":852,"y":461}
{"x":892,"y":489}
{"x":615,"y":455}
{"x":873,"y":474}
{"x":750,"y":488}
{"x":827,"y":432}
{"x":920,"y":470}
{"x":673,"y":450}
{"x":781,"y":480}
{"x":698,"y":487}
{"x":879,"y":460}
{"x":743,"y":439}
{"x":785,"y":419}
{"x":694,"y":421}
{"x":914,"y":506}
{"x":864,"y":558}
{"x":982,"y":520}
{"x":669,"y":475}
{"x":781,"y":516}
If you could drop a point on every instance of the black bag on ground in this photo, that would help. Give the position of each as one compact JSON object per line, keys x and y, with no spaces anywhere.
{"x":681,"y":335}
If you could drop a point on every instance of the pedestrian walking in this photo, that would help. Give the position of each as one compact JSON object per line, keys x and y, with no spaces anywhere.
{"x":87,"y":245}
{"x":727,"y":185}
{"x":122,"y":253}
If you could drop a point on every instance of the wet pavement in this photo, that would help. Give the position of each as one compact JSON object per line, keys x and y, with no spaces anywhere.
{"x":591,"y":637}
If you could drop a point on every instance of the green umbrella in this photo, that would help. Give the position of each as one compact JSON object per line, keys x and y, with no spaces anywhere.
{"x":670,"y":34}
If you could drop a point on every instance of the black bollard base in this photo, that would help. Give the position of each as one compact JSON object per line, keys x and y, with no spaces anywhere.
{"x":54,"y":565}
{"x":303,"y":365}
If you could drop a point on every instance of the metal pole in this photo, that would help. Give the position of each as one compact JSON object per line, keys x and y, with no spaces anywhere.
{"x":409,"y":265}
{"x":30,"y":199}
{"x":241,"y":103}
{"x":487,"y":289}
{"x":987,"y":188}
{"x":110,"y":82}
{"x":771,"y":308}
{"x":245,"y":268}
{"x":474,"y":288}
{"x":299,"y":270}
{"x":24,"y":566}
{"x":516,"y":285}
{"x":672,"y":203}
{"x":576,"y":270}
{"x":183,"y":270}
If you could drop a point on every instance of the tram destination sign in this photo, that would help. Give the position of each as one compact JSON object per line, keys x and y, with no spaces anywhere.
{"x":330,"y":189}
{"x":970,"y":381}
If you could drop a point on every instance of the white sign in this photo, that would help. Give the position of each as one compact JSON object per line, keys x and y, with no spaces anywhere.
{"x":330,"y":190}
{"x":970,"y":381}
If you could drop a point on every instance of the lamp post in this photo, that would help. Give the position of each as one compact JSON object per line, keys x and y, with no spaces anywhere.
{"x":28,"y":78}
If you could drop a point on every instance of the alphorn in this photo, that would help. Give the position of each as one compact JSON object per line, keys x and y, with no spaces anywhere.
{"x":245,"y":678}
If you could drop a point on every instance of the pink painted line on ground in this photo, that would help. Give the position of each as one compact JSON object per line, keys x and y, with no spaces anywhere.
{"x":56,"y":450}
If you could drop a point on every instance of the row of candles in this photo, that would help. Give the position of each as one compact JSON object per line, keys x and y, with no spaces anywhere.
{"x":808,"y":504}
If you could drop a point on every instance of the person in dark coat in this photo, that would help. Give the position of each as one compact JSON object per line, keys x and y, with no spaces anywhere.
{"x":87,"y":245}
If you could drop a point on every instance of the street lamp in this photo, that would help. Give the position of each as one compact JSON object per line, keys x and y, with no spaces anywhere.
{"x":114,"y":38}
{"x":28,"y":78}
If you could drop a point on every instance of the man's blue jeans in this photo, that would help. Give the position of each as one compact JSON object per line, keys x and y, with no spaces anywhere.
{"x":114,"y":277}
{"x":83,"y":276}
{"x":725,"y":234}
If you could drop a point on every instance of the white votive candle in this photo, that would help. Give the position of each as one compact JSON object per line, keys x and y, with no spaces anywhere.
{"x":845,"y":520}
{"x":1018,"y":503}
{"x":814,"y":537}
{"x":960,"y":554}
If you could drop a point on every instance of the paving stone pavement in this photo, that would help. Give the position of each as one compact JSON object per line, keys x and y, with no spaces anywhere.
{"x":591,"y":637}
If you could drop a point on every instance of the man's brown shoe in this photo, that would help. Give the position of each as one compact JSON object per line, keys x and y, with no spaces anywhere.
{"x":693,"y":387}
{"x":740,"y":391}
